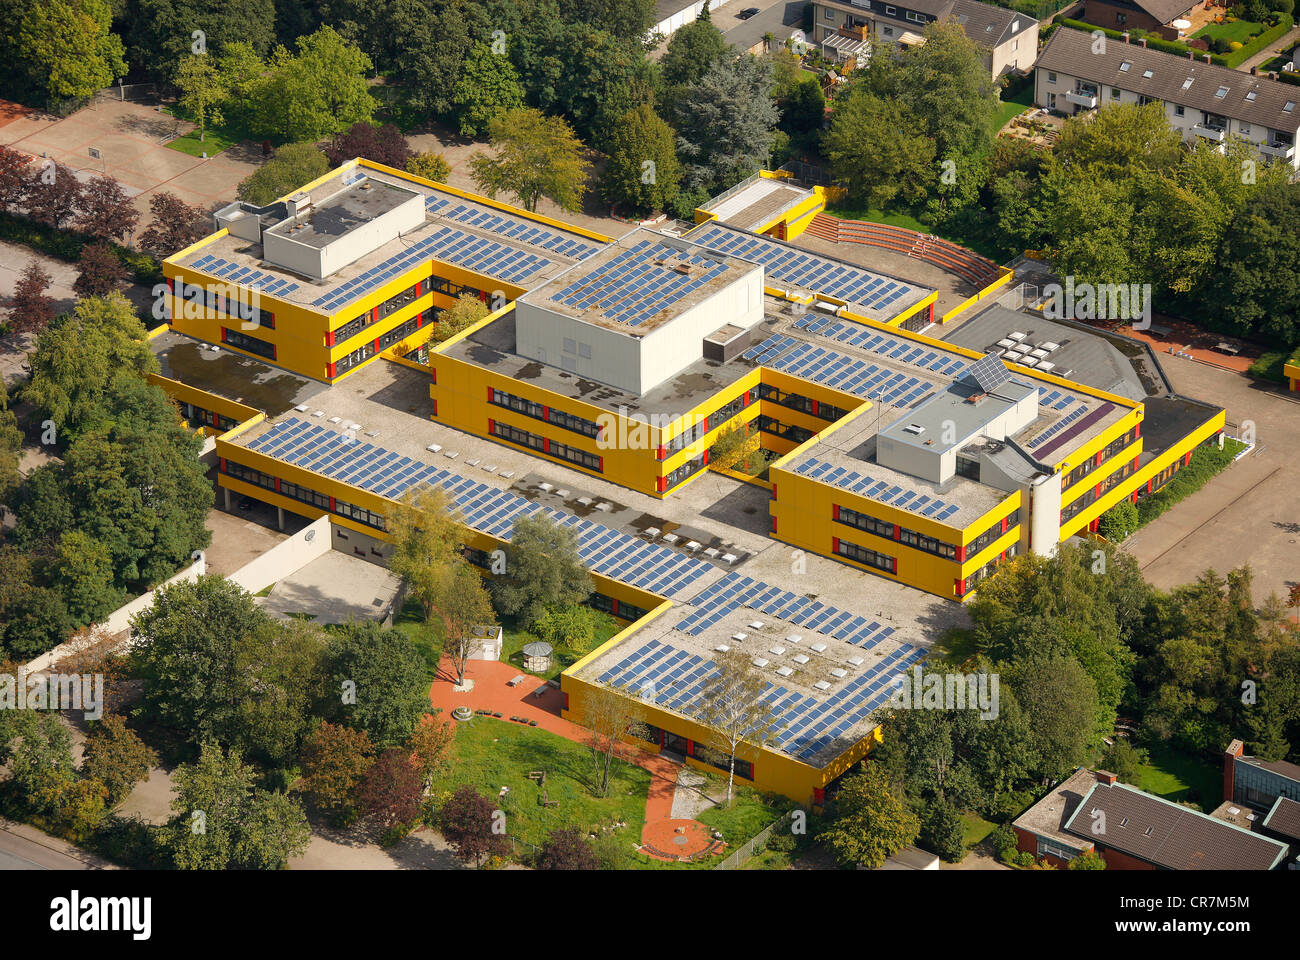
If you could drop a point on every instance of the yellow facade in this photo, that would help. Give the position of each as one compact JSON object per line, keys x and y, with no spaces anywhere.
{"x":397,"y":316}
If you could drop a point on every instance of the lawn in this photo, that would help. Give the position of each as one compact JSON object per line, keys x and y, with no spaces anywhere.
{"x":1180,"y":777}
{"x":516,"y":637}
{"x":489,"y":754}
{"x":217,"y":138}
{"x":879,"y":216}
{"x":426,"y":637}
{"x":1239,"y":30}
{"x":1015,"y":105}
{"x":975,"y":829}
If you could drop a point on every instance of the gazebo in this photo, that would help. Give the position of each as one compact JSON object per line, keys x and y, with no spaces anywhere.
{"x":537,"y":656}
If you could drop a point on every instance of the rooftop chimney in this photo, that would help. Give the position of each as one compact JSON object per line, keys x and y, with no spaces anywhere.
{"x":1235,"y":749}
{"x":1191,"y":54}
{"x":1105,"y":777}
{"x":1142,"y":40}
{"x":1126,"y":39}
{"x":1205,"y":57}
{"x":1254,"y":71}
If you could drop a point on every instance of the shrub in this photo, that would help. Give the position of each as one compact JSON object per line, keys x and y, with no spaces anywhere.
{"x":782,"y":842}
{"x":1004,"y":840}
{"x":1119,"y":521}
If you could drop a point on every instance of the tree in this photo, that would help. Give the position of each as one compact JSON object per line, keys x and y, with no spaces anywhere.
{"x":99,"y":271}
{"x":15,"y":178}
{"x":869,"y":822}
{"x":391,"y":791}
{"x":724,"y":123}
{"x":430,"y":166}
{"x":575,"y":626}
{"x":429,"y":745}
{"x":380,"y":681}
{"x":468,"y":822}
{"x":317,"y":91}
{"x":281,"y":671}
{"x":427,"y":538}
{"x":533,"y":156}
{"x":1251,"y":287}
{"x":876,"y":149}
{"x":185,"y":646}
{"x":174,"y":226}
{"x":1119,"y":521}
{"x":567,"y":849}
{"x":202,"y":91}
{"x":488,"y":87}
{"x":693,"y":50}
{"x":163,"y":31}
{"x":106,"y":212}
{"x":293,"y":166}
{"x":30,"y":310}
{"x":1060,"y":701}
{"x":11,"y":444}
{"x":1088,"y":860}
{"x":804,"y":109}
{"x":462,"y":604}
{"x":543,"y":569}
{"x":465,"y":311}
{"x":33,"y":618}
{"x":947,"y":87}
{"x":943,"y":833}
{"x":53,"y":195}
{"x":222,"y":821}
{"x":1124,"y":760}
{"x":609,"y":715}
{"x":334,"y":762}
{"x":68,"y":48}
{"x":734,"y":708}
{"x":83,"y":573}
{"x":116,"y":757}
{"x":41,"y":765}
{"x":643,"y":172}
{"x":382,"y":144}
{"x":629,"y":19}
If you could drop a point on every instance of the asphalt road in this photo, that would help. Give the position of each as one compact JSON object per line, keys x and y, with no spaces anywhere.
{"x":24,"y":853}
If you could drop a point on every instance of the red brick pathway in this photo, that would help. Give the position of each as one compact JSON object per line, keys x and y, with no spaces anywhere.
{"x":492,"y":692}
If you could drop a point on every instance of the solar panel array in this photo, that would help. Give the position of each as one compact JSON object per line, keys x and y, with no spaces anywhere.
{"x":485,"y":508}
{"x":735,"y":590}
{"x":1057,"y":427}
{"x":512,"y":228}
{"x":988,"y":372}
{"x":479,"y":254}
{"x":865,"y":338}
{"x":880,"y":491}
{"x":674,"y":678}
{"x":796,"y":267}
{"x":637,"y":283}
{"x":839,"y":371}
{"x":245,"y":276}
{"x":1056,"y":399}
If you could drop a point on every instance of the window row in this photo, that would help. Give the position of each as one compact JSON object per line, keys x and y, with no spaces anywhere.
{"x":529,"y":408}
{"x":243,"y":341}
{"x":869,"y":557}
{"x":551,"y":448}
{"x":717,"y":418}
{"x":302,"y":494}
{"x":881,"y":528}
{"x":993,"y":533}
{"x":218,"y":302}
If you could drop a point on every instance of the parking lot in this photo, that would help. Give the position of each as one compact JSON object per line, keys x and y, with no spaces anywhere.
{"x":1250,"y":513}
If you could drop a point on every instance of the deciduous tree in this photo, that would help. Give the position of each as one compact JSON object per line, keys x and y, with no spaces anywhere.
{"x":869,"y":820}
{"x":533,"y":156}
{"x":99,"y":271}
{"x":468,"y":821}
{"x":543,"y":569}
{"x":105,"y":212}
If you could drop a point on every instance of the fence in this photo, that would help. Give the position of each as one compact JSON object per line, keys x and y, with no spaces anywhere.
{"x":753,"y":846}
{"x":810,"y":174}
{"x":130,"y":91}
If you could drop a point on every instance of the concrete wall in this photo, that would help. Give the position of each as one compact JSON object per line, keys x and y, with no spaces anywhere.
{"x":119,"y":621}
{"x":285,"y":557}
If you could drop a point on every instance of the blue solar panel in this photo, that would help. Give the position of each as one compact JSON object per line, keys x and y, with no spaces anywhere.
{"x":603,"y":549}
{"x":795,"y":267}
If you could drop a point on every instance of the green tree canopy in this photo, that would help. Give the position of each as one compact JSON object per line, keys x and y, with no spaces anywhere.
{"x":533,"y":156}
{"x":543,"y":570}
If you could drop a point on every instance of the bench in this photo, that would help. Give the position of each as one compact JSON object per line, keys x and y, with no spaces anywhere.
{"x":516,"y":680}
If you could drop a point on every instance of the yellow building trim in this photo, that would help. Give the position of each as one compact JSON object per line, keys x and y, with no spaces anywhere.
{"x":1006,"y":273}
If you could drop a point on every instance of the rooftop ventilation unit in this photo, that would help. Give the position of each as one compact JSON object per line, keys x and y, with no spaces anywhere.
{"x":915,"y":429}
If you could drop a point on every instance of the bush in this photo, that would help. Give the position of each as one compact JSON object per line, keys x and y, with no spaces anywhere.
{"x":1269,"y":365}
{"x":1206,"y":462}
{"x":1003,"y":840}
{"x":1118,"y":522}
{"x":942,"y":832}
{"x":780,"y":842}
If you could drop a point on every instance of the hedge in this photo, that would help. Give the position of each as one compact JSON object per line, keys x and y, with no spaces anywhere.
{"x":1206,"y":463}
{"x":1284,"y":23}
{"x":66,"y":245}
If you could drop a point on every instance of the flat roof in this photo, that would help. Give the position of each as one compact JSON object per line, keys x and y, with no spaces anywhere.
{"x":830,"y":670}
{"x":233,"y":375}
{"x":465,"y":232}
{"x":638,"y":283}
{"x":328,"y":450}
{"x":357,"y":204}
{"x":874,"y":295}
{"x":1080,"y":355}
{"x":756,"y":201}
{"x":1047,"y":818}
{"x":493,"y":347}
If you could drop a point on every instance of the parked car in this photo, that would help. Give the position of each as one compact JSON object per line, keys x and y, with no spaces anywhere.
{"x":747,"y":13}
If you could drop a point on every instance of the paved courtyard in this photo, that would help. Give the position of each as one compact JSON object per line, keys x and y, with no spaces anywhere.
{"x":1250,"y":513}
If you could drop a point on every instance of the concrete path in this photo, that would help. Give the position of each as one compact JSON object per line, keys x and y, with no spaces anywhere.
{"x":25,"y":848}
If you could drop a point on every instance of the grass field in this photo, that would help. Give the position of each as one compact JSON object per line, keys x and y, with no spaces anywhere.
{"x":975,"y":829}
{"x":1015,"y":105}
{"x":489,"y":754}
{"x":879,"y":216}
{"x":1240,"y":30}
{"x":1180,"y":777}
